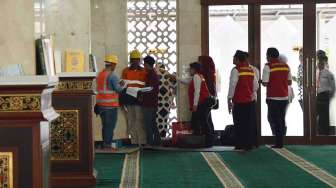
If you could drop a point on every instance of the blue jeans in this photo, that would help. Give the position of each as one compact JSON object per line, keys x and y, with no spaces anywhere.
{"x":109,"y":120}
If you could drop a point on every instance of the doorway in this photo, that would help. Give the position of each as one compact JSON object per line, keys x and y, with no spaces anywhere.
{"x":255,"y":26}
{"x":228,"y":31}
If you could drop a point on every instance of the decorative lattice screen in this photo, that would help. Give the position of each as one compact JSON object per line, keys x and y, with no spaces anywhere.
{"x":152,"y":28}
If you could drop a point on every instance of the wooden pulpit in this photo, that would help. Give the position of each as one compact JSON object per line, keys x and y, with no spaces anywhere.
{"x":25,"y":115}
{"x":71,"y":135}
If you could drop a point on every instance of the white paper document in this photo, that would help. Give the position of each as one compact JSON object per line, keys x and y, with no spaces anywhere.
{"x":133,"y":91}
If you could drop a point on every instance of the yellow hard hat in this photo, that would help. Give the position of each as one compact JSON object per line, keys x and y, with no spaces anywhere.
{"x":135,"y":54}
{"x":111,"y":59}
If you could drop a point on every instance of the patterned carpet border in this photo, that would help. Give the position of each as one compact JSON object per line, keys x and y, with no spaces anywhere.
{"x":224,"y":174}
{"x":130,"y":172}
{"x":312,"y":169}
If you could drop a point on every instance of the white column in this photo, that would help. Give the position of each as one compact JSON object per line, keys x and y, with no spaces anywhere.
{"x":189,"y":44}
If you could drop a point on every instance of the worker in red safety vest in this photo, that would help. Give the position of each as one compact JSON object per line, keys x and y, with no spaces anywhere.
{"x":240,"y":100}
{"x":276,"y":78}
{"x":200,"y":103}
{"x":107,"y":99}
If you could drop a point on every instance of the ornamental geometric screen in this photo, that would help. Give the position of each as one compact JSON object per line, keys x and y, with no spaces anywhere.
{"x":152,"y":30}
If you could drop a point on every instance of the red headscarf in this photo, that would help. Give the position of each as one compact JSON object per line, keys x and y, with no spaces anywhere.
{"x":208,"y":70}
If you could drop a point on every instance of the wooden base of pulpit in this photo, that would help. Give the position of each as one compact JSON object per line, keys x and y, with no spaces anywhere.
{"x":71,"y":135}
{"x":25,"y":113}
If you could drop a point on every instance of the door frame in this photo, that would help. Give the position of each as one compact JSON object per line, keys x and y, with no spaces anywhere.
{"x":254,"y":43}
{"x":314,"y":138}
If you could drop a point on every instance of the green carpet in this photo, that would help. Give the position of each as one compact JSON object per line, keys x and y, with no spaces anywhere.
{"x":162,"y":169}
{"x":322,"y":156}
{"x":109,"y":168}
{"x":265,"y":168}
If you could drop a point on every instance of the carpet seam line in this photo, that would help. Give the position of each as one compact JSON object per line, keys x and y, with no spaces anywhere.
{"x":130,"y":174}
{"x":308,"y":167}
{"x":223,"y":173}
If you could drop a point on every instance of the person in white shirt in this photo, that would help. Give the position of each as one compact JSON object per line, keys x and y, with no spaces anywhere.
{"x":200,"y":103}
{"x":325,"y":85}
{"x":276,"y":78}
{"x":241,"y":101}
{"x":283,"y":59}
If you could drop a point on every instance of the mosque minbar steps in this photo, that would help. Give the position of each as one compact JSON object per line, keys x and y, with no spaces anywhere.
{"x":71,"y":134}
{"x":25,"y":116}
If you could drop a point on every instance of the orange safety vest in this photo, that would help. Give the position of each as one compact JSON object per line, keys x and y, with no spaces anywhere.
{"x":278,"y":79}
{"x":244,"y":88}
{"x":105,"y":97}
{"x":134,"y":77}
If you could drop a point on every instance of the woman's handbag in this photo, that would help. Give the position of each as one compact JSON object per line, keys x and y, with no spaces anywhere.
{"x":215,"y":105}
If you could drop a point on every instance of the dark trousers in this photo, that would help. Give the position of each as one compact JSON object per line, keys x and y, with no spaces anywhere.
{"x":152,"y":131}
{"x":301,"y":104}
{"x":242,"y":120}
{"x":109,"y":120}
{"x":254,"y":127}
{"x":277,"y":118}
{"x":322,"y":110}
{"x":201,"y":121}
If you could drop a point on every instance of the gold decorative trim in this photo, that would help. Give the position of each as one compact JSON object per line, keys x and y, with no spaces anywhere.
{"x":223,"y":173}
{"x":74,"y":85}
{"x":131,"y":171}
{"x":312,"y":169}
{"x":64,"y":136}
{"x":20,"y":103}
{"x":6,"y":169}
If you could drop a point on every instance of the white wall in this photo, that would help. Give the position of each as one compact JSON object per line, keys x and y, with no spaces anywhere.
{"x":17,"y":34}
{"x":69,"y":22}
{"x":109,"y":36}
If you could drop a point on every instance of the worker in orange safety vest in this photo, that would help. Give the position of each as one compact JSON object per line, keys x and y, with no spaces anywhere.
{"x":107,"y":99}
{"x":134,"y":77}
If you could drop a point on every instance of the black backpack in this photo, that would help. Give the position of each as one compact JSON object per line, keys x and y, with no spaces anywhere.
{"x":228,"y":136}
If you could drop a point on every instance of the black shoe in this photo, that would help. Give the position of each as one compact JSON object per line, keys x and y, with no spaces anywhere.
{"x":248,"y":148}
{"x":238,"y":148}
{"x":277,"y":146}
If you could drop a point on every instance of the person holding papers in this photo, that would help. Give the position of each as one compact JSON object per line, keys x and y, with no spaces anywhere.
{"x":107,"y":103}
{"x":134,"y":77}
{"x":149,"y":102}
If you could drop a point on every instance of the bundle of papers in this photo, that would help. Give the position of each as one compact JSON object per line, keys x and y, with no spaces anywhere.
{"x":133,"y":91}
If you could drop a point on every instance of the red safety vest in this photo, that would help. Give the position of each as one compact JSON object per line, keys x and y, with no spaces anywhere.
{"x":244,"y":88}
{"x":105,"y":97}
{"x":204,"y":92}
{"x":278,"y":79}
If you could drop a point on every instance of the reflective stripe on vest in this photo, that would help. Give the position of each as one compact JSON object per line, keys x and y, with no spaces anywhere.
{"x":105,"y":96}
{"x":134,"y":78}
{"x":246,"y":74}
{"x":137,"y":82}
{"x":278,"y":79}
{"x":279,"y":69}
{"x":244,"y":88}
